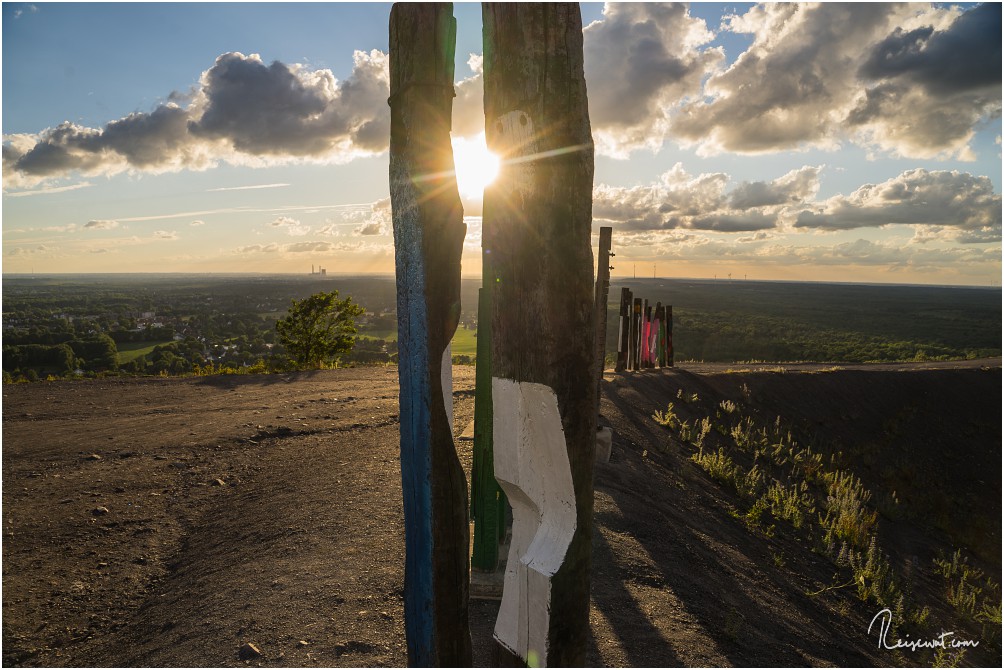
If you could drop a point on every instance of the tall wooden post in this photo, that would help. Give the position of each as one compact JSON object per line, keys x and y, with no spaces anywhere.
{"x":662,"y":334}
{"x":669,"y":335}
{"x":602,"y":295}
{"x":658,"y":321}
{"x":537,"y":220}
{"x":428,"y":240}
{"x":487,"y":500}
{"x":636,"y":336}
{"x":624,"y":329}
{"x":646,"y":332}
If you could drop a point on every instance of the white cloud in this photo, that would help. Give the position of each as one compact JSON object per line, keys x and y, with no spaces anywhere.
{"x":304,"y":247}
{"x":197,"y":222}
{"x":165,"y":234}
{"x":68,"y":228}
{"x":910,"y":79}
{"x":641,"y":62}
{"x":681,"y":201}
{"x":257,"y":249}
{"x":962,"y":206}
{"x":245,"y":188}
{"x":101,"y":224}
{"x":244,"y":112}
{"x":290,"y":225}
{"x":371,"y":229}
{"x":46,"y":191}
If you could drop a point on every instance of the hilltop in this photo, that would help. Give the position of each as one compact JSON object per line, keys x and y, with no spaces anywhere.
{"x":168,"y":521}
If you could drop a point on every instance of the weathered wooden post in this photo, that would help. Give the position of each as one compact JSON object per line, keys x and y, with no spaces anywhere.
{"x":537,"y":220}
{"x":669,"y":335}
{"x":487,"y":501}
{"x":636,"y":336}
{"x":658,"y":320}
{"x":646,"y":334}
{"x":602,"y":295}
{"x":661,"y":309}
{"x":428,"y":240}
{"x":624,"y":329}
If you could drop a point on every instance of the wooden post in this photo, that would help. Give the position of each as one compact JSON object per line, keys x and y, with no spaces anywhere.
{"x":669,"y":335}
{"x":602,"y":295}
{"x":636,"y":336}
{"x":661,"y":309}
{"x":537,"y":220}
{"x":487,"y":501}
{"x":658,"y":320}
{"x":624,"y":329}
{"x":428,"y":240}
{"x":646,"y":332}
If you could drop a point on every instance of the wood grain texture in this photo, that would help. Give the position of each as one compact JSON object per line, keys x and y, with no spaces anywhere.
{"x":602,"y":296}
{"x":428,"y":241}
{"x":537,"y":221}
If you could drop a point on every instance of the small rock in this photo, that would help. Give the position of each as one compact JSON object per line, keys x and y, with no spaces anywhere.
{"x":248,"y":652}
{"x":102,"y":565}
{"x":93,"y":457}
{"x":218,"y":482}
{"x":99,"y":511}
{"x":302,"y":643}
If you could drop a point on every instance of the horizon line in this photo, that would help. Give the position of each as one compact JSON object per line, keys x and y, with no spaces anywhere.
{"x":469,"y":277}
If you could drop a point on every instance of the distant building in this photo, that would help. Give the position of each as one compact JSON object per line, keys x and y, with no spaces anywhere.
{"x":321,"y":272}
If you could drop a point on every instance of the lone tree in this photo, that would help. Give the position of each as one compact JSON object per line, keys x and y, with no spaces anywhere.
{"x":318,"y":328}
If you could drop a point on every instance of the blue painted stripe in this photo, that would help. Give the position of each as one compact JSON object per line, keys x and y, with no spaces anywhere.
{"x":416,"y":456}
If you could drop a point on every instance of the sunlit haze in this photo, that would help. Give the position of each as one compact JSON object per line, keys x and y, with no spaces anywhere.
{"x":476,"y":166}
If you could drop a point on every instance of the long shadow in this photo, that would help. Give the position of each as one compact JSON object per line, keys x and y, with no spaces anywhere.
{"x":690,"y":543}
{"x":748,"y":632}
{"x":644,"y":643}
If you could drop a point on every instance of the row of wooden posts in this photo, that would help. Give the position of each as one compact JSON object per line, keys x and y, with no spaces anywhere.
{"x":645,"y":334}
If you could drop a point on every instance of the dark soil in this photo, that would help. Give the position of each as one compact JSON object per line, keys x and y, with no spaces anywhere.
{"x":170,"y":522}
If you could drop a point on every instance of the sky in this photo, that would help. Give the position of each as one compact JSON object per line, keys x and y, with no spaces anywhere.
{"x":807,"y":142}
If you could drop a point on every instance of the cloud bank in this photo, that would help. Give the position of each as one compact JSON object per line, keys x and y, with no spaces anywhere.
{"x":244,"y":111}
{"x":946,"y":205}
{"x":911,"y":79}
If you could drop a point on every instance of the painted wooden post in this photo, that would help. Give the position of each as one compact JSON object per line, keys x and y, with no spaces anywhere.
{"x":653,"y":340}
{"x":657,"y":329}
{"x":428,"y":240}
{"x":624,"y":329}
{"x":487,"y":500}
{"x":602,"y":295}
{"x":537,"y":220}
{"x":636,"y":336}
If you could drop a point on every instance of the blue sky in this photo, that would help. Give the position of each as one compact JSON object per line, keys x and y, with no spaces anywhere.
{"x":836,"y":142}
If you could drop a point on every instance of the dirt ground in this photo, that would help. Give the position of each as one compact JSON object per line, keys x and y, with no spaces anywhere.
{"x":168,"y":522}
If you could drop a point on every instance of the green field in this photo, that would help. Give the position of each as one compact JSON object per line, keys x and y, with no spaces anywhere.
{"x":464,"y":342}
{"x":129,"y":351}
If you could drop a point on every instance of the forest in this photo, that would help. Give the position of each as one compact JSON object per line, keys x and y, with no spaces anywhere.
{"x":87,"y":325}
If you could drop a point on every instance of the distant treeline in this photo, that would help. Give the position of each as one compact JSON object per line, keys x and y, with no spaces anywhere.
{"x":91,"y":354}
{"x":64,"y":324}
{"x":722,"y":321}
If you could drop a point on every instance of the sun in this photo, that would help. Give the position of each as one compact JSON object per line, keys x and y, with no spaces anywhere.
{"x":476,"y":166}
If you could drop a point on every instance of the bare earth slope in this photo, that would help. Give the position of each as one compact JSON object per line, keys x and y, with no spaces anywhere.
{"x":167,"y":522}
